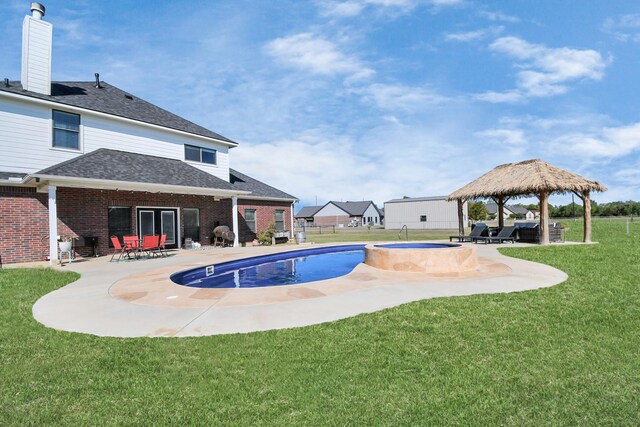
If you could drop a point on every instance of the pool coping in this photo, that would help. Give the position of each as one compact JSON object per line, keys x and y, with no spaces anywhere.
{"x":108,"y":299}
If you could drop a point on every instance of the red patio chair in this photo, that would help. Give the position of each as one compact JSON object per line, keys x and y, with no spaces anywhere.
{"x":119,"y":249}
{"x":161,"y":248}
{"x":132,"y":243}
{"x":150,"y":245}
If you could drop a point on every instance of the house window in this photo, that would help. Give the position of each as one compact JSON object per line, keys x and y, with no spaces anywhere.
{"x":200,"y":155}
{"x":119,"y":222}
{"x":66,"y":130}
{"x":423,"y":218}
{"x":279,"y":220}
{"x":250,"y":219}
{"x":192,"y":224}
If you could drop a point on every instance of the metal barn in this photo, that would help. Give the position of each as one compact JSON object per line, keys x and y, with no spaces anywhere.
{"x":422,"y":213}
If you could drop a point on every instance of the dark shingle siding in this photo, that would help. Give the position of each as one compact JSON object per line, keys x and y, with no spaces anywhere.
{"x":111,"y":100}
{"x":7,"y":175}
{"x":418,"y":199}
{"x":308,"y":211}
{"x":240,"y":181}
{"x":354,"y":208}
{"x":116,"y":165}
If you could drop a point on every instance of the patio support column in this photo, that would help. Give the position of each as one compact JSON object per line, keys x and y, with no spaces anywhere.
{"x":234,"y":217}
{"x":586,"y":201}
{"x":460,"y":217}
{"x":500,"y":212}
{"x":53,"y":225}
{"x":544,"y":218}
{"x":292,"y":225}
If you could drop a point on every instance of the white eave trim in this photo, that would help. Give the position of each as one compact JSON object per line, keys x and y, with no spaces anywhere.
{"x":272,"y":199}
{"x":112,"y":117}
{"x":106,"y":184}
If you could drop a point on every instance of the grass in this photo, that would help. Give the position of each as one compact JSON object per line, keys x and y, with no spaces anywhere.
{"x":363,"y":234}
{"x":567,"y":355}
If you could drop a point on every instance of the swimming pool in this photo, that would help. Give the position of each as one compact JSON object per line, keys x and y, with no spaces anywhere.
{"x":287,"y":268}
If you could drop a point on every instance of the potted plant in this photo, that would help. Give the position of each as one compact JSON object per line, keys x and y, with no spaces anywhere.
{"x":64,"y":242}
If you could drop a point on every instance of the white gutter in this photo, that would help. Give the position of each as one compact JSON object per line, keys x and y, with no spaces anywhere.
{"x":107,"y":184}
{"x":112,"y":117}
{"x":273,"y":199}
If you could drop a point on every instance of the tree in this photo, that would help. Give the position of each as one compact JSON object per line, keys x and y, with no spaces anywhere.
{"x":477,"y":211}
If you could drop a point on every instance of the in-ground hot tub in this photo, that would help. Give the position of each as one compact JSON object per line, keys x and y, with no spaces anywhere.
{"x":439,"y":258}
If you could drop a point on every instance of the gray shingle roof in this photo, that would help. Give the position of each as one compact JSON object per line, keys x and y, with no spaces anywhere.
{"x":518,"y":209}
{"x":308,"y":211}
{"x":418,"y":199}
{"x":354,"y":208}
{"x":6,"y":175}
{"x":240,"y":181}
{"x":116,"y":165}
{"x":111,"y":100}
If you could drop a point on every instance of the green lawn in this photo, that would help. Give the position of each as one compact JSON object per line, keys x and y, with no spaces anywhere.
{"x":363,"y":234}
{"x":567,"y":355}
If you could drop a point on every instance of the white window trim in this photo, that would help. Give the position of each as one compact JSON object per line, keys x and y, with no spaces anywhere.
{"x":80,"y":134}
{"x":184,"y":155}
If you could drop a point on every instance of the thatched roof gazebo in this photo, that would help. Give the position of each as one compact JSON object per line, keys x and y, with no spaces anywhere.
{"x":527,"y":178}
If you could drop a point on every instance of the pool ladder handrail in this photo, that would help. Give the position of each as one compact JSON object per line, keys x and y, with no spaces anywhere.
{"x":406,"y":232}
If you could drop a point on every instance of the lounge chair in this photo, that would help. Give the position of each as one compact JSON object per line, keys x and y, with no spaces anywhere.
{"x":161,"y":246}
{"x":505,"y":235}
{"x":476,"y":232}
{"x":150,"y":245}
{"x":118,"y":249}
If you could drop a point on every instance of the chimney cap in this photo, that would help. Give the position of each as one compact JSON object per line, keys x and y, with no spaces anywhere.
{"x":37,"y":9}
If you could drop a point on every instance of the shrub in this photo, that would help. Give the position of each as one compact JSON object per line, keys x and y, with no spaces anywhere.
{"x":266,"y":236}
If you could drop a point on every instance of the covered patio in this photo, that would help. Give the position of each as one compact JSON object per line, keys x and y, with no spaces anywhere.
{"x":528,"y":178}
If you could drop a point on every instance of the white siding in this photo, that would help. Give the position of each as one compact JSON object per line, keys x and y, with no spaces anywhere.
{"x":26,"y":129}
{"x":330,"y":210}
{"x":440,"y":214}
{"x":36,"y":55}
{"x":373,"y":213}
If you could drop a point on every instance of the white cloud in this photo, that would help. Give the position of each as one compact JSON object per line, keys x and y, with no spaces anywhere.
{"x":624,"y":27}
{"x":499,"y":16}
{"x":609,"y":142}
{"x":628,"y":177}
{"x":317,"y":55}
{"x":470,"y":36}
{"x":545,"y":71}
{"x":506,"y":136}
{"x":509,"y":96}
{"x":350,"y":8}
{"x":399,"y":97}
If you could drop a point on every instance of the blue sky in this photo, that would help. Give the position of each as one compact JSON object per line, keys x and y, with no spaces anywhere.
{"x":373,"y":99}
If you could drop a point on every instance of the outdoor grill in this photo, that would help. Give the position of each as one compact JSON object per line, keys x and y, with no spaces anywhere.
{"x":223,"y":236}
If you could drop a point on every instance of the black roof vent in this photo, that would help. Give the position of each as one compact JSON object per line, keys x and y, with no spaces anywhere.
{"x":126,"y":95}
{"x":97,"y":85}
{"x":6,"y":82}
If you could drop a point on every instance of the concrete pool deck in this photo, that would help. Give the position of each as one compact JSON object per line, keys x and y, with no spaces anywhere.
{"x":136,"y":298}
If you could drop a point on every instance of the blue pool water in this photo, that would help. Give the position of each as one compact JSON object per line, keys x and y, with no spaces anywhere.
{"x":286,"y":268}
{"x":416,"y":245}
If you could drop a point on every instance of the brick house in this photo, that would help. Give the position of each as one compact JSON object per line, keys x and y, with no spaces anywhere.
{"x":89,"y":160}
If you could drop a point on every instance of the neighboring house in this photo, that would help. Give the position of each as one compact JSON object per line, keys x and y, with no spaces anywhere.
{"x":422,"y":213}
{"x":508,"y":211}
{"x":345,"y":214}
{"x":305,"y":216}
{"x":492,"y":210}
{"x":87,"y":159}
{"x":522,"y":211}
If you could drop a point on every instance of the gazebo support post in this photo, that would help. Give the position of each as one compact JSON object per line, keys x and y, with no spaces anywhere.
{"x":544,"y":218}
{"x":500,"y":212}
{"x":460,"y":218}
{"x":586,"y":201}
